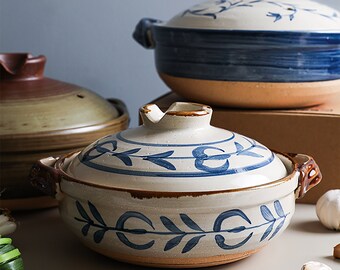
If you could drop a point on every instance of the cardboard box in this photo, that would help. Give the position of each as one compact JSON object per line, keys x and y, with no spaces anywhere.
{"x":314,"y":131}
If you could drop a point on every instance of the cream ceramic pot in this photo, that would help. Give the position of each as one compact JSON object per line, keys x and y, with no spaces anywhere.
{"x":248,"y":53}
{"x":176,"y":192}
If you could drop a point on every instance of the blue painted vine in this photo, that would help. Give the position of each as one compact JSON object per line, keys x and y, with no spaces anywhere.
{"x":189,"y":231}
{"x":165,"y":159}
{"x":288,"y":11}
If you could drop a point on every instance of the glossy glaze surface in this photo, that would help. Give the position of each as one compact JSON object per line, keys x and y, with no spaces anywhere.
{"x":178,"y":231}
{"x":289,"y":15}
{"x":40,"y":115}
{"x":179,"y":151}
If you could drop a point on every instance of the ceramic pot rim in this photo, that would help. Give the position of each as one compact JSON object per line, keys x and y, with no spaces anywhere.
{"x":89,"y":128}
{"x":122,"y":113}
{"x":60,"y":164}
{"x":298,"y":33}
{"x":32,"y":141}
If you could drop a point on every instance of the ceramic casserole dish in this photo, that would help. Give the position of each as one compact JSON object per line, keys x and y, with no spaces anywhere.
{"x":176,"y":192}
{"x":41,"y":116}
{"x":248,"y":53}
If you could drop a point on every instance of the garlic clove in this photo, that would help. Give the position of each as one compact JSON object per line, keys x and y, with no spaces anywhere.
{"x":328,"y":209}
{"x":7,"y":224}
{"x":315,"y":266}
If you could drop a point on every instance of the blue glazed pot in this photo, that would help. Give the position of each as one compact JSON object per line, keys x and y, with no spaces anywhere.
{"x":248,"y":48}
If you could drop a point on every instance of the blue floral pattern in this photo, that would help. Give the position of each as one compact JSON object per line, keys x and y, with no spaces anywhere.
{"x":289,"y":11}
{"x":189,"y":231}
{"x":200,"y":156}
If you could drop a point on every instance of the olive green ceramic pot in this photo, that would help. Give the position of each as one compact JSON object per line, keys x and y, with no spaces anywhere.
{"x":41,"y":116}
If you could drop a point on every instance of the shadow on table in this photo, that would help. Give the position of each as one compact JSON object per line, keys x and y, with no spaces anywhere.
{"x":310,"y":227}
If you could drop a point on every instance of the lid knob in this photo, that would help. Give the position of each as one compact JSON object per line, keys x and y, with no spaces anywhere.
{"x":179,"y":115}
{"x":21,"y":66}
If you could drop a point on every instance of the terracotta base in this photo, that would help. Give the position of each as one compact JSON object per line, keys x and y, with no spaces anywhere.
{"x":253,"y":94}
{"x":29,"y":203}
{"x":174,"y":262}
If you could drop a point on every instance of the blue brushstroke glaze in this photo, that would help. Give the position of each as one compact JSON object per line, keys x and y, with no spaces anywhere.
{"x":285,"y":10}
{"x":165,"y":159}
{"x":252,"y":56}
{"x":191,"y":233}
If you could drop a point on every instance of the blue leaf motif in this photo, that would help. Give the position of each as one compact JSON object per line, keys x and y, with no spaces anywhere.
{"x":210,"y":15}
{"x":267,"y":232}
{"x":170,"y":225}
{"x":173,"y":242}
{"x":245,"y":5}
{"x":85,"y":229}
{"x":278,"y":228}
{"x":124,"y":156}
{"x":82,"y":211}
{"x":158,"y":159}
{"x":239,"y":147}
{"x":267,"y":215}
{"x":192,"y":243}
{"x":101,"y":149}
{"x":163,"y":163}
{"x":279,"y":209}
{"x":162,"y":155}
{"x":228,"y":5}
{"x":98,"y":236}
{"x":277,"y":16}
{"x":190,"y":223}
{"x":96,"y":214}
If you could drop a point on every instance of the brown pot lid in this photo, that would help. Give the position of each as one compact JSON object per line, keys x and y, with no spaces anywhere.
{"x":31,"y":103}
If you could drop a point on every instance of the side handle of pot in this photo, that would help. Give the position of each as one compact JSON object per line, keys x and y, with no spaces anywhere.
{"x":45,"y":177}
{"x":120,"y":105}
{"x":143,"y":33}
{"x":310,"y":174}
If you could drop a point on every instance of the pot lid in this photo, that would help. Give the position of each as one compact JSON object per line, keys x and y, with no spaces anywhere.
{"x":176,"y":151}
{"x":263,"y":15}
{"x":31,"y":103}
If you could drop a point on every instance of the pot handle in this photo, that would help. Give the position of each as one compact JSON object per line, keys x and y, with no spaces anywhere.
{"x":143,"y":33}
{"x":45,"y":177}
{"x":120,"y":105}
{"x":310,"y":174}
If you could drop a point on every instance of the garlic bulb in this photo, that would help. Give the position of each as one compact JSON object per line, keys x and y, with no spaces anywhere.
{"x":7,"y":224}
{"x":315,"y":266}
{"x":328,"y":209}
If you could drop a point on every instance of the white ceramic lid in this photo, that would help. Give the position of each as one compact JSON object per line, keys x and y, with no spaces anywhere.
{"x":266,"y":15}
{"x":176,"y":151}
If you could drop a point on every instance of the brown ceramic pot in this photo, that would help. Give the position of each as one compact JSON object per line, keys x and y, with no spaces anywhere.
{"x":41,"y":116}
